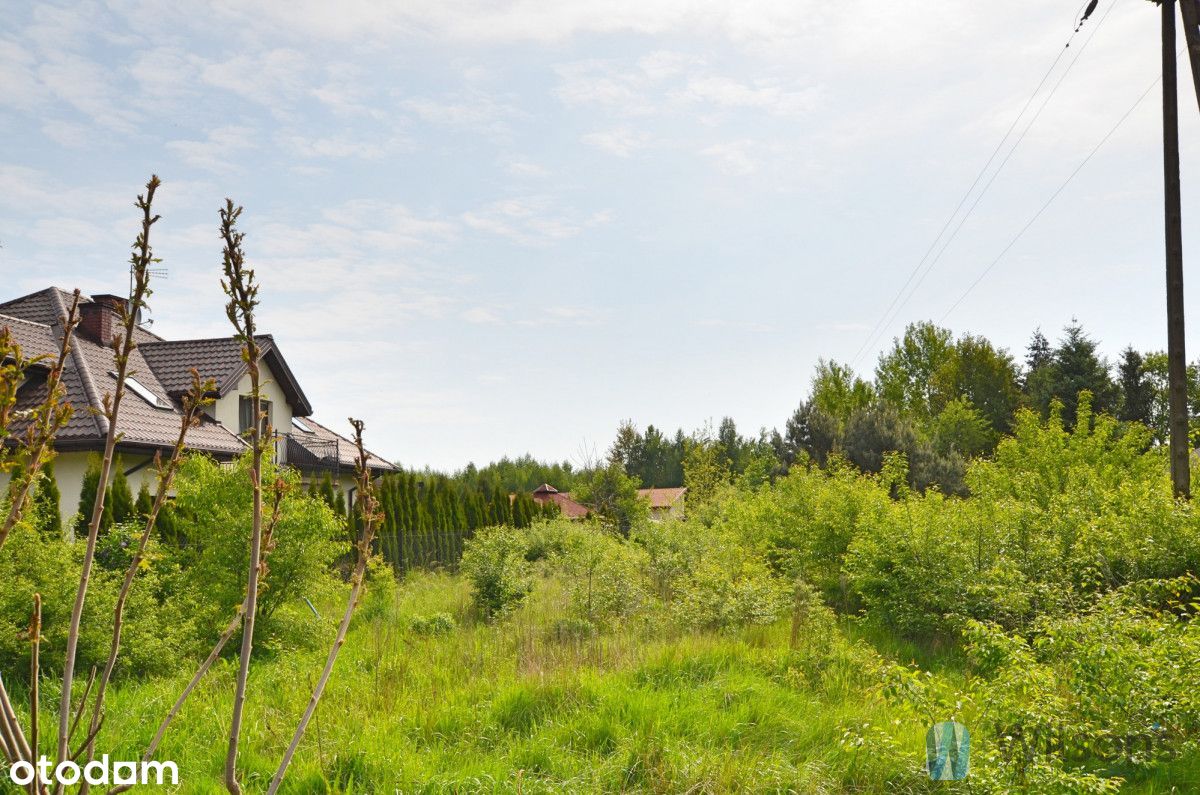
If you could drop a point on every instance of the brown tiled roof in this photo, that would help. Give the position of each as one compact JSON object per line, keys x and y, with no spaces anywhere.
{"x":221,"y":360}
{"x":324,"y":449}
{"x":88,"y":377}
{"x":35,"y":339}
{"x":570,"y":509}
{"x":662,"y":498}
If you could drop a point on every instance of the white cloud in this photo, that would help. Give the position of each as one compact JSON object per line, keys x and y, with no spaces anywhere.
{"x":768,"y":95}
{"x":530,"y":221}
{"x":217,"y":152}
{"x":341,"y":146}
{"x":733,"y":157}
{"x":18,"y":81}
{"x":478,"y":314}
{"x":621,"y":142}
{"x":273,"y":78}
{"x":69,"y":134}
{"x":525,"y":168}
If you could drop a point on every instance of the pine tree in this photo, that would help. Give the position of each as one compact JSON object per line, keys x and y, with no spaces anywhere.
{"x":1137,"y":391}
{"x":145,"y":503}
{"x":119,"y":498}
{"x":46,"y":504}
{"x":87,"y":499}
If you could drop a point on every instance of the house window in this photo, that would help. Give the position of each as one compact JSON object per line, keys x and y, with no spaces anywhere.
{"x":300,"y":425}
{"x":144,"y":392}
{"x":246,"y":414}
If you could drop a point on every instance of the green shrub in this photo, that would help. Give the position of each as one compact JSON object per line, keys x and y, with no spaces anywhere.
{"x":213,"y":513}
{"x":605,"y":577}
{"x":494,"y":562}
{"x":154,"y":630}
{"x":434,"y":625}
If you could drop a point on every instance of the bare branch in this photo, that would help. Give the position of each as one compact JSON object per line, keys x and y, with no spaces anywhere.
{"x":230,"y":629}
{"x":370,"y":517}
{"x":47,"y":420}
{"x":193,"y":406}
{"x":242,"y":290}
{"x":122,"y":345}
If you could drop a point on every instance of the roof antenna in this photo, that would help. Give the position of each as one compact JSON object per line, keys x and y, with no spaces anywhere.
{"x":157,"y":273}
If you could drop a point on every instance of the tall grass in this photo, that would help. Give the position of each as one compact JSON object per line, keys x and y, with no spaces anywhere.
{"x":522,"y":706}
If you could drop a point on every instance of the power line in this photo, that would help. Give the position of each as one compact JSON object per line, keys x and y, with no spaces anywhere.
{"x":1050,"y":201}
{"x":888,"y":315}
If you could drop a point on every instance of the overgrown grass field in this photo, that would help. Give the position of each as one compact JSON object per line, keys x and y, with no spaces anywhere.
{"x":525,"y":705}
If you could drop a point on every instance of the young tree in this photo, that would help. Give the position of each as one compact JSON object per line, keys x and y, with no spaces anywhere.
{"x":121,"y":496}
{"x":905,"y":374}
{"x":46,"y":501}
{"x":239,"y":285}
{"x":144,"y":503}
{"x":1137,"y":390}
{"x":613,"y":495}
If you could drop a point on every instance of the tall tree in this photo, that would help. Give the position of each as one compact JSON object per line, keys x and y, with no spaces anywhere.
{"x":905,"y":374}
{"x":1137,"y":390}
{"x":985,"y":376}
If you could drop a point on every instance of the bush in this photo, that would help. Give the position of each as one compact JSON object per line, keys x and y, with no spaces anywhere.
{"x":605,"y":575}
{"x":213,"y":514}
{"x":434,"y":625}
{"x":494,"y":562}
{"x":154,"y":631}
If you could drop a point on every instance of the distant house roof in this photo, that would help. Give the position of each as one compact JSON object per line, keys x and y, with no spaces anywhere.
{"x":570,"y":509}
{"x":662,"y":498}
{"x":163,"y":370}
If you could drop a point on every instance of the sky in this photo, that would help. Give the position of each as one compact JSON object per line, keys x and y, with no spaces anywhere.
{"x":491,"y":228}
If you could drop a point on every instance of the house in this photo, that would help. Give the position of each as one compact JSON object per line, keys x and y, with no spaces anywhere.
{"x":664,"y":503}
{"x":570,"y":509}
{"x":159,"y":376}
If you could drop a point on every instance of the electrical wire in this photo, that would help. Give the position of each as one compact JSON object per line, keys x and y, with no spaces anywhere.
{"x":1050,"y":201}
{"x":897,"y":304}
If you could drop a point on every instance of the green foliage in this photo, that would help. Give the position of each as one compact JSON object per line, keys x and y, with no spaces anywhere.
{"x":119,"y":498}
{"x":87,"y":499}
{"x":46,"y":512}
{"x":961,"y":428}
{"x":604,"y":573}
{"x":434,"y":625}
{"x":213,"y":503}
{"x":144,"y":503}
{"x":155,"y":631}
{"x":1072,"y":367}
{"x":905,"y":375}
{"x":494,"y":563}
{"x":613,"y":496}
{"x":837,"y":392}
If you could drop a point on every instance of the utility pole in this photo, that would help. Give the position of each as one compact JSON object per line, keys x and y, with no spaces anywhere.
{"x":1191,"y":30}
{"x":1176,"y":358}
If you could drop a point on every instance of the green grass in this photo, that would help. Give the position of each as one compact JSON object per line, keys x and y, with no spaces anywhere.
{"x":513,"y":706}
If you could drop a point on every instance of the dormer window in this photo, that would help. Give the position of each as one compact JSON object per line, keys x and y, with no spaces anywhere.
{"x":246,"y":414}
{"x":144,"y":392}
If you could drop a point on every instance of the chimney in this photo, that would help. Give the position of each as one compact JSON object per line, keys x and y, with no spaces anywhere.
{"x":101,"y":317}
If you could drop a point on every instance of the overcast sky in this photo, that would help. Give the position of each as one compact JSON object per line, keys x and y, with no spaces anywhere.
{"x":492,"y":228}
